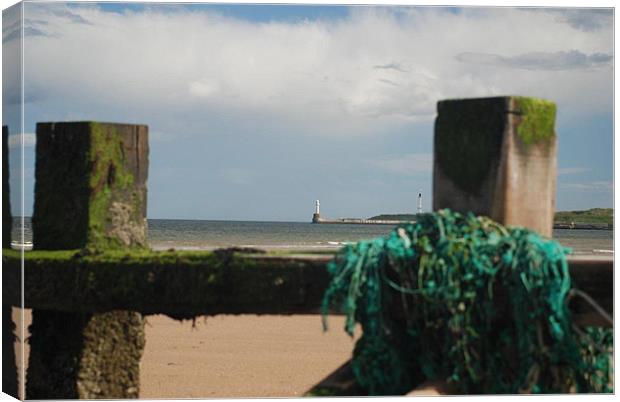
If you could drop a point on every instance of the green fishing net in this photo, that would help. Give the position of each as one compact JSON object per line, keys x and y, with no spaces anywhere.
{"x":428,"y":302}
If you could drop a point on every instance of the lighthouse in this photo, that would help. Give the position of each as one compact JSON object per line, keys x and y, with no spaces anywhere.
{"x":420,"y":202}
{"x":317,"y":212}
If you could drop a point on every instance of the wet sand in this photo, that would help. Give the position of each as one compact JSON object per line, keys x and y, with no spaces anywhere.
{"x":237,"y":356}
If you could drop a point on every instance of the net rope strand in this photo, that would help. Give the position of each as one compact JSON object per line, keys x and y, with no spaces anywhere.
{"x":600,"y":310}
{"x":426,"y":298}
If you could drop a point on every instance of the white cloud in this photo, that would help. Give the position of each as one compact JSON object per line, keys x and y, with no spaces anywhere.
{"x":547,"y":61}
{"x":595,"y":186}
{"x":203,"y":89}
{"x":572,"y":170}
{"x":408,"y":164}
{"x":584,"y":19}
{"x":373,"y":71}
{"x":15,"y":140}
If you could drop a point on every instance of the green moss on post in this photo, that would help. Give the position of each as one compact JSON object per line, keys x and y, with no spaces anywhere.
{"x":9,"y":366}
{"x":537,"y":120}
{"x":90,"y":189}
{"x":7,"y":219}
{"x":90,"y":194}
{"x":116,"y":210}
{"x":182,"y":284}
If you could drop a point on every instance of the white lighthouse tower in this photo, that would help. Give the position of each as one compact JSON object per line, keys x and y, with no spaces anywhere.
{"x":419,"y":201}
{"x":316,"y":217}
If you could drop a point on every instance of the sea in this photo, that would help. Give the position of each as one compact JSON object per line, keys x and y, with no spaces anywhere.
{"x":164,"y":234}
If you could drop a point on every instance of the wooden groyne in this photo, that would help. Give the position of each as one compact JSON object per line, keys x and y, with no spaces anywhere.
{"x":91,"y":280}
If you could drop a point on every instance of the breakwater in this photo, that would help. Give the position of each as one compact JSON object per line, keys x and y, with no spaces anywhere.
{"x":584,"y":226}
{"x":316,"y":218}
{"x":359,"y":221}
{"x":356,"y":221}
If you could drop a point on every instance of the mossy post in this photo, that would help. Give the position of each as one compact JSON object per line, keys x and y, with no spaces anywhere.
{"x":90,"y":193}
{"x":9,"y":364}
{"x":497,"y":157}
{"x":7,"y":219}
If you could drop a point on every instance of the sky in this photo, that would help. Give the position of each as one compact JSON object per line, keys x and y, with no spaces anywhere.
{"x":255,"y":111}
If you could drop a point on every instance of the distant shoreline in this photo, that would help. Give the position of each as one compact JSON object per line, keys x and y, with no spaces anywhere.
{"x":589,"y":219}
{"x":594,"y":218}
{"x":584,"y":226}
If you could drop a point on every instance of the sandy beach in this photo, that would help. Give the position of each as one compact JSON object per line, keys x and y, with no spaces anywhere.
{"x":237,"y":356}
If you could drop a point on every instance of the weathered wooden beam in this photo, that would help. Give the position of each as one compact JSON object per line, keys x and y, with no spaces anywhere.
{"x":189,"y":284}
{"x":497,"y":157}
{"x":179,"y":284}
{"x":90,"y":193}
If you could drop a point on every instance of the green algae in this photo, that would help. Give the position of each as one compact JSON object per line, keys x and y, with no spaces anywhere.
{"x":110,"y":256}
{"x":136,"y":256}
{"x":109,"y":180}
{"x":86,"y":197}
{"x":182,"y":284}
{"x":86,"y":191}
{"x":537,"y":120}
{"x":39,"y":255}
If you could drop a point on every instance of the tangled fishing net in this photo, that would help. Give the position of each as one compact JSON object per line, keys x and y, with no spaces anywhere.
{"x":426,"y":297}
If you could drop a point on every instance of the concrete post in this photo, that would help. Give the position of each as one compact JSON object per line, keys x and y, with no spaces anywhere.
{"x":90,"y":193}
{"x":497,"y":157}
{"x":9,"y":364}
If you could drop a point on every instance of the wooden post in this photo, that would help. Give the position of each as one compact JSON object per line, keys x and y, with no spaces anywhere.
{"x":90,"y":193}
{"x":497,"y":157}
{"x":9,"y":366}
